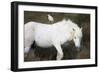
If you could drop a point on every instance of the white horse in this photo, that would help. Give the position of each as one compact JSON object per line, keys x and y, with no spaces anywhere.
{"x":46,"y":35}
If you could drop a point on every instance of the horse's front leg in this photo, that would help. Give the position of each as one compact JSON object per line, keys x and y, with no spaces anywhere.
{"x":59,"y":51}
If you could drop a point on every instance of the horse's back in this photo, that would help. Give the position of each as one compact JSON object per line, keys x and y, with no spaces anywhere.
{"x":43,"y":35}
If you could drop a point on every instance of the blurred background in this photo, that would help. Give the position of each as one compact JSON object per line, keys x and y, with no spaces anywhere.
{"x":70,"y":51}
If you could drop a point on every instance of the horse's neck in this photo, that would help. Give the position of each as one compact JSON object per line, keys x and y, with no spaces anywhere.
{"x":59,"y":25}
{"x":66,"y":23}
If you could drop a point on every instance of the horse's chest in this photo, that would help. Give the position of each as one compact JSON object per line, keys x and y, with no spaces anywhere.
{"x":60,"y":36}
{"x":62,"y":39}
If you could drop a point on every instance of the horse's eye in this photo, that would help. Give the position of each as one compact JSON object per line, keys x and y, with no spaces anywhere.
{"x":73,"y":29}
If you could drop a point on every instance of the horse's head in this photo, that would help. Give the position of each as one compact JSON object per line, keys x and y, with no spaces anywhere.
{"x":75,"y":31}
{"x":77,"y":37}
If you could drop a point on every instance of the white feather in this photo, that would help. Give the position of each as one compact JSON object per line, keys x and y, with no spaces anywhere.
{"x":50,"y":18}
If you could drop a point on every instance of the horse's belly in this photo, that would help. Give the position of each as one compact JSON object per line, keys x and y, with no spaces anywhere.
{"x":43,"y":43}
{"x":43,"y":37}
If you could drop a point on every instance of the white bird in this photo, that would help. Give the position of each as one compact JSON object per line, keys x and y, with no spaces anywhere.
{"x":50,"y":18}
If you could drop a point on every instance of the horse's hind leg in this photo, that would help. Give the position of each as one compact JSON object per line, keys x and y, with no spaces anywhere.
{"x":26,"y":50}
{"x":59,"y":51}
